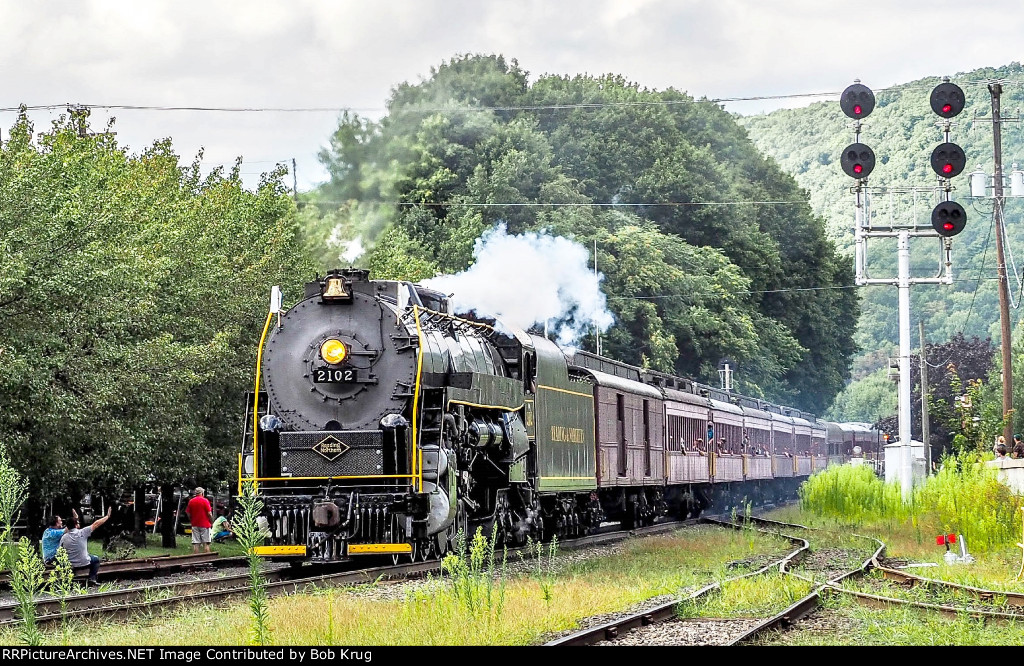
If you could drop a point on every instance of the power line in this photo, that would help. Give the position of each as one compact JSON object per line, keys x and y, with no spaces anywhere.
{"x":654,"y":297}
{"x":535,"y":204}
{"x":454,"y":109}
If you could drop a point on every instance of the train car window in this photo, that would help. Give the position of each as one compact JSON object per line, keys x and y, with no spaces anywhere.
{"x":620,"y":412}
{"x":675,"y":433}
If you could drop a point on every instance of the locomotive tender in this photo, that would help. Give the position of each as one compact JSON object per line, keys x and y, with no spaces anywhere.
{"x":385,"y":424}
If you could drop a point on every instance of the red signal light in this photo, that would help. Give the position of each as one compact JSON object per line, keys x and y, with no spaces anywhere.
{"x":948,"y":226}
{"x":857,"y":168}
{"x":946,"y":108}
{"x":947,"y":168}
{"x":858,"y":109}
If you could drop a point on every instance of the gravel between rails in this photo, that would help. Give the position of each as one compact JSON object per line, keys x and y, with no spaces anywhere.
{"x":824,"y":623}
{"x":824,"y":564}
{"x":702,"y":631}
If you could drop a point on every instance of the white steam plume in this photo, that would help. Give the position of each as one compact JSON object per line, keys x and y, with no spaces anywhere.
{"x":530,"y":279}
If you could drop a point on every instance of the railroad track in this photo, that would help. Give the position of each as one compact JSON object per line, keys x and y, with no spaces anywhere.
{"x":143,"y":567}
{"x":997,"y":600}
{"x":812,"y":601}
{"x":280,"y":581}
{"x":668,"y":611}
{"x":614,"y":629}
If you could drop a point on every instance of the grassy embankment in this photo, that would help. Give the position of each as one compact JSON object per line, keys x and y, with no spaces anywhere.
{"x":540,"y":598}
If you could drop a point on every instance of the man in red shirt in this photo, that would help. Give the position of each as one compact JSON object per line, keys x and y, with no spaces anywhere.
{"x":200,"y":514}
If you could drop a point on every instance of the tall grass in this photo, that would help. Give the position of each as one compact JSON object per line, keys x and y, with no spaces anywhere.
{"x":28,"y":578}
{"x":250,"y":535}
{"x":965,"y":498}
{"x":61,"y":584}
{"x":476,"y":581}
{"x":13,"y":490}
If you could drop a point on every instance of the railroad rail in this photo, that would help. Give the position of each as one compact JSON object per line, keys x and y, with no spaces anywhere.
{"x":280,"y":581}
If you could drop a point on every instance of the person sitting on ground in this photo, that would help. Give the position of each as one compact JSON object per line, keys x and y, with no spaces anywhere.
{"x":200,"y":514}
{"x":51,"y":537}
{"x":76,"y":542}
{"x":221,"y":529}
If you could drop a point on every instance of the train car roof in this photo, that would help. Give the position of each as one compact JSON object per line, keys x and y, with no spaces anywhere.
{"x":684,"y":397}
{"x":725,"y":407}
{"x":781,"y":418}
{"x":622,"y":384}
{"x":800,"y":421}
{"x":756,"y":413}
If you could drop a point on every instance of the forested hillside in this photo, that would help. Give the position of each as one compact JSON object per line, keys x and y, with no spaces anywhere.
{"x":708,"y":249}
{"x":902,"y":131}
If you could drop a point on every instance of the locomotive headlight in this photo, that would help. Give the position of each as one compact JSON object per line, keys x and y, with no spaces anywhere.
{"x":333,"y":351}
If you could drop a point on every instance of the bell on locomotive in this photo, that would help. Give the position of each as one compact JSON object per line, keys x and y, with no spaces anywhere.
{"x":330,"y":431}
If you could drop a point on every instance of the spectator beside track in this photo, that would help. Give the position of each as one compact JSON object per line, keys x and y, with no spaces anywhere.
{"x":76,"y":542}
{"x":52,"y":536}
{"x":221,"y":529}
{"x":200,"y":514}
{"x":1018,"y":446}
{"x":1000,"y":447}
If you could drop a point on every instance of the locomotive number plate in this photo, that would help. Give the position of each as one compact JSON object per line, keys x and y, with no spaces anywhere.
{"x":334,"y":376}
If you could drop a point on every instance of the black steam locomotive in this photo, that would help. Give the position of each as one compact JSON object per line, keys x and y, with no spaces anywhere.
{"x":384,"y":424}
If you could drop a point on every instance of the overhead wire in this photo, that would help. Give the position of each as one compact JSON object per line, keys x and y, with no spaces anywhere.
{"x":476,"y":108}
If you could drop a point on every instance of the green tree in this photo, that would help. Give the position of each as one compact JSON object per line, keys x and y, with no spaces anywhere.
{"x":476,"y":144}
{"x":132,"y":294}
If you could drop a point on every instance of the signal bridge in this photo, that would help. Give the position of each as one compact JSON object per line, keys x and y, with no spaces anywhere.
{"x":947,"y":220}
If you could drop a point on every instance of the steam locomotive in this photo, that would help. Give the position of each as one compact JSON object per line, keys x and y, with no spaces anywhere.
{"x":385,"y":424}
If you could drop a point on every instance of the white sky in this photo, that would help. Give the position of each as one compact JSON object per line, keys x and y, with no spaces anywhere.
{"x":346,"y":53}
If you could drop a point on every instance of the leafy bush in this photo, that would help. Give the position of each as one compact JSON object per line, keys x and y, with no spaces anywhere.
{"x":964,"y":498}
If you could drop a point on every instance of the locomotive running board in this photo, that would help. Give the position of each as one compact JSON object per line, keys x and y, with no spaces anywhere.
{"x":378,"y":548}
{"x":272,"y":551}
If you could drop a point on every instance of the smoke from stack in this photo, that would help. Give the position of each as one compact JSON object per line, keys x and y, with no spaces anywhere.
{"x":530,"y":279}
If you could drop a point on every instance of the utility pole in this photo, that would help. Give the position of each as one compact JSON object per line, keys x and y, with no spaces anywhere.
{"x":996,"y":90}
{"x":295,"y":182}
{"x":925,"y":434}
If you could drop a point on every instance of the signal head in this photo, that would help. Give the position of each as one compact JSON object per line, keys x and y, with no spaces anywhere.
{"x":857,"y":101}
{"x":949,"y":218}
{"x":858,"y":160}
{"x":947,"y":99}
{"x":948,"y":160}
